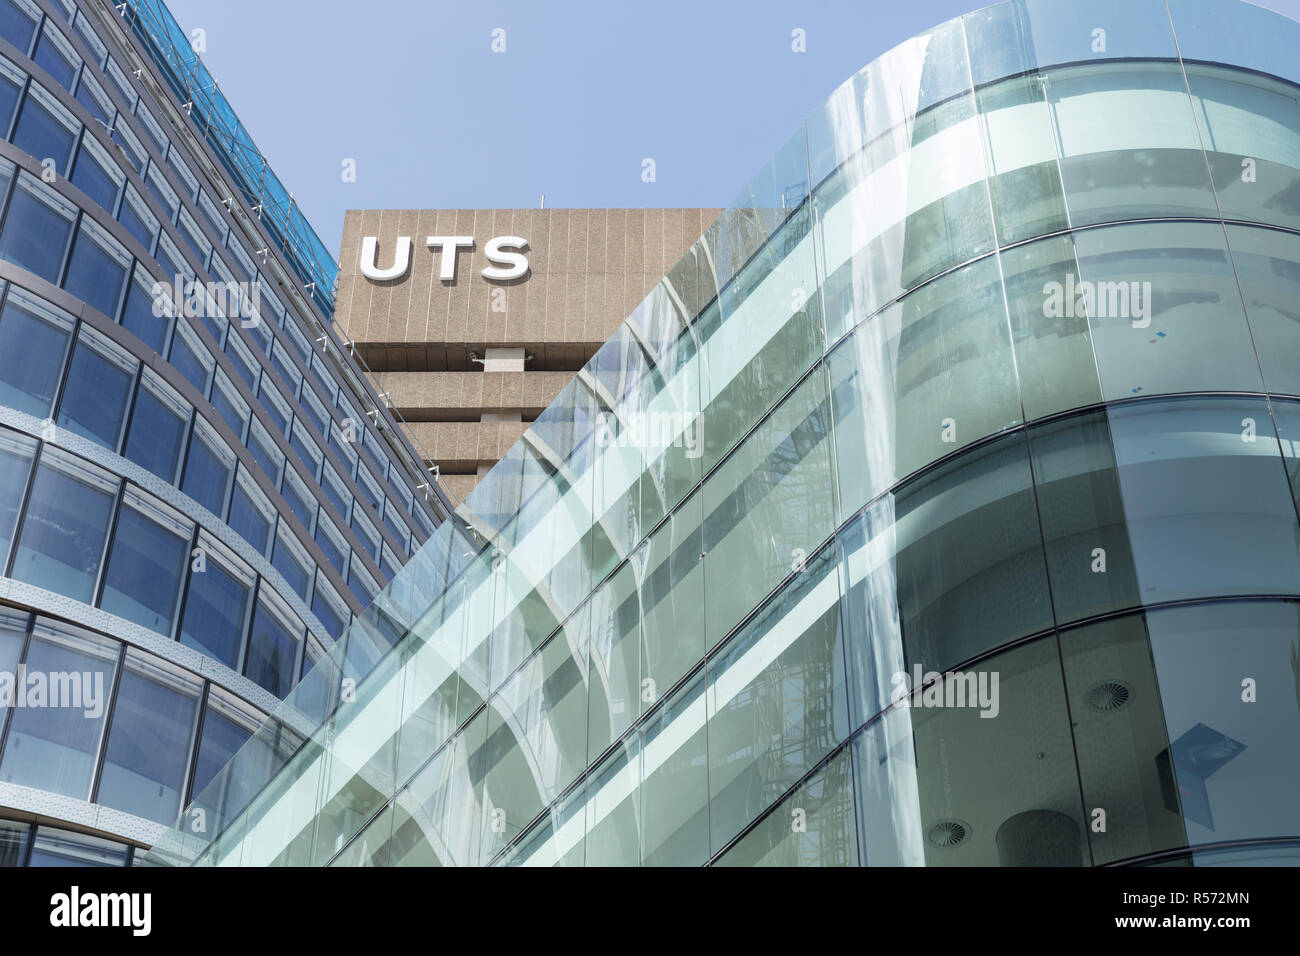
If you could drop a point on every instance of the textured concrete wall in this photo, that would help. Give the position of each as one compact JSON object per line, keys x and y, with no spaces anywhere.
{"x":588,"y":269}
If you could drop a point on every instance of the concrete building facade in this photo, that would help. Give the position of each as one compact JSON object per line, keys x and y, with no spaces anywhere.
{"x":471,"y":360}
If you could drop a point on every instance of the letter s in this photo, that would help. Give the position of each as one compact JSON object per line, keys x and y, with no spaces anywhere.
{"x":516,"y":263}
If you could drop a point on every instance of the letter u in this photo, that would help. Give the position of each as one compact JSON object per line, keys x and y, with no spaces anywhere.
{"x":401,"y":258}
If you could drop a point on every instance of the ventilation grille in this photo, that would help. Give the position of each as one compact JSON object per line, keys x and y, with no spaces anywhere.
{"x":948,"y":833}
{"x":1109,"y":695}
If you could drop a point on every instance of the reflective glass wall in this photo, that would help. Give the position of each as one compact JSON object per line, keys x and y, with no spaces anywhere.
{"x":938,"y":508}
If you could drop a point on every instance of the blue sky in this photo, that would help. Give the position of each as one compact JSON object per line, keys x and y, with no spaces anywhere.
{"x":411,"y":90}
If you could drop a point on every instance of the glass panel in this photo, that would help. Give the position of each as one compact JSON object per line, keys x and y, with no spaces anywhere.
{"x":1135,"y":505}
{"x":36,"y":229}
{"x":63,"y":848}
{"x":191,"y":358}
{"x":251,"y":514}
{"x":272,"y":650}
{"x":148,"y":312}
{"x":208,"y":469}
{"x":1267,"y":266}
{"x":16,"y":453}
{"x":55,"y":55}
{"x":146,"y":563}
{"x":675,"y":786}
{"x":228,"y":724}
{"x":97,"y":269}
{"x":933,"y":789}
{"x":945,"y":568}
{"x":157,"y":432}
{"x":137,"y":219}
{"x":18,"y":20}
{"x":96,"y":175}
{"x":777,"y":699}
{"x":46,"y":130}
{"x":13,"y":836}
{"x":148,"y":747}
{"x":68,"y":515}
{"x":814,"y":826}
{"x":100,"y":379}
{"x":923,"y":378}
{"x":1164,"y":309}
{"x":33,"y":343}
{"x":216,"y":605}
{"x":54,"y":735}
{"x":670,"y":577}
{"x":291,"y":560}
{"x":1188,"y":725}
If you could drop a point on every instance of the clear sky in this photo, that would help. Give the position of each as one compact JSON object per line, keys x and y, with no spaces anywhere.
{"x":585,"y":90}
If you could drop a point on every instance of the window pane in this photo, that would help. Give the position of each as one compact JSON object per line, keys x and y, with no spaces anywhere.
{"x":157,"y":432}
{"x":784,"y":673}
{"x":18,"y":21}
{"x":674,"y":789}
{"x":215,"y":606}
{"x":138,"y":220}
{"x":97,"y":269}
{"x":251,"y":514}
{"x":208,"y":469}
{"x":943,"y":569}
{"x":149,"y":741}
{"x":56,"y":61}
{"x":827,"y":836}
{"x":33,"y":343}
{"x":227,"y":726}
{"x":921,"y":379}
{"x":190,"y":358}
{"x":1168,"y":740}
{"x":293,"y":564}
{"x":145,"y":565}
{"x":45,"y":130}
{"x":1166,"y":312}
{"x":926,"y":798}
{"x":272,"y":651}
{"x":99,"y":383}
{"x":63,"y":532}
{"x":62,"y":848}
{"x":147,"y":317}
{"x":1162,"y":501}
{"x":16,"y":452}
{"x":92,"y":177}
{"x":53,"y":747}
{"x":13,"y":836}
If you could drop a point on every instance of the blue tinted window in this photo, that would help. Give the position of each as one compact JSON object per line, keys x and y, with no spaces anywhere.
{"x":94,"y":105}
{"x":360,"y":587}
{"x":64,"y":529}
{"x":16,"y":453}
{"x":273,"y":410}
{"x":91,"y":178}
{"x":272,"y":650}
{"x":96,"y":272}
{"x":299,"y":499}
{"x":145,"y":565}
{"x":229,"y":407}
{"x":149,"y":741}
{"x":249,"y":519}
{"x":207,"y":475}
{"x":94,"y":400}
{"x":52,"y":59}
{"x":156,"y":434}
{"x":215,"y":608}
{"x":334,"y":552}
{"x":189,"y":363}
{"x":328,"y":615}
{"x":16,"y":26}
{"x":44,"y":136}
{"x":133,"y":219}
{"x":63,"y":848}
{"x":139,"y":318}
{"x":32,"y":349}
{"x":36,"y":232}
{"x":222,"y":738}
{"x":9,"y":93}
{"x":265,"y":453}
{"x":54,"y":748}
{"x":289,"y":563}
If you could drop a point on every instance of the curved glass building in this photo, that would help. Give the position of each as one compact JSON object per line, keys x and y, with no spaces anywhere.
{"x":938,"y":508}
{"x":198,"y":491}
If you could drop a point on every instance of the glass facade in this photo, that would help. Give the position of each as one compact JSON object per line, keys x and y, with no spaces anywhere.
{"x":162,"y":476}
{"x":939,"y":507}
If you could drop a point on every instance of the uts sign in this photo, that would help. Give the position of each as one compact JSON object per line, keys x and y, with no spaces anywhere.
{"x":504,"y":252}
